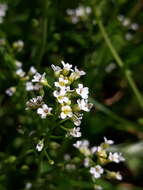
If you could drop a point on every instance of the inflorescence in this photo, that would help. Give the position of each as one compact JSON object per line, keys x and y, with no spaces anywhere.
{"x":71,"y":100}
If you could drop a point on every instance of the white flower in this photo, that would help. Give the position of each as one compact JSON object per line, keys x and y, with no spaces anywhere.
{"x":76,"y":74}
{"x":80,"y":11}
{"x":77,"y":119}
{"x":70,"y":167}
{"x":75,"y":132}
{"x":10,"y":91}
{"x":88,"y":10}
{"x":77,"y":144}
{"x":86,"y":162}
{"x":109,"y":68}
{"x":18,"y":64}
{"x":116,"y":157}
{"x":79,"y":72}
{"x":28,"y":185}
{"x":2,"y":42}
{"x":3,"y":9}
{"x":121,"y":17}
{"x":109,"y":142}
{"x":32,"y":70}
{"x":83,"y":147}
{"x":82,"y":143}
{"x":67,"y":157}
{"x":98,"y":187}
{"x":114,"y":175}
{"x":37,"y":87}
{"x":18,"y":45}
{"x":82,"y":91}
{"x":62,"y":82}
{"x":40,"y":146}
{"x":34,"y":102}
{"x":44,"y":111}
{"x":66,"y":66}
{"x":118,"y":176}
{"x":20,"y":72}
{"x":128,"y":36}
{"x":29,"y":86}
{"x":74,"y":19}
{"x":96,"y":171}
{"x":39,"y":78}
{"x":61,"y":96}
{"x":70,"y":12}
{"x":84,"y":105}
{"x":126,"y":22}
{"x":134,"y":26}
{"x":66,"y":112}
{"x":94,"y":149}
{"x":56,"y":69}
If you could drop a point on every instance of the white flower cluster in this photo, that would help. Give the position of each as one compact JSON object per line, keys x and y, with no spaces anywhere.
{"x":102,"y":156}
{"x":3,"y":9}
{"x":19,"y":71}
{"x":18,"y":45}
{"x":71,"y":101}
{"x":131,"y":26}
{"x":10,"y":91}
{"x":126,"y":22}
{"x":78,"y":13}
{"x":34,"y":84}
{"x":37,"y":103}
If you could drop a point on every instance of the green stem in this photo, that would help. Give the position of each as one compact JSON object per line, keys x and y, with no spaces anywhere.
{"x":127,"y":125}
{"x":44,"y":30}
{"x":65,"y":129}
{"x":51,"y":162}
{"x":56,"y":137}
{"x":43,"y":42}
{"x":119,"y":61}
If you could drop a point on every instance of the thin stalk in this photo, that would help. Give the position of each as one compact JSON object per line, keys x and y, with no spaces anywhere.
{"x":119,"y":61}
{"x":44,"y":31}
{"x":65,"y":129}
{"x":127,"y":125}
{"x":43,"y":41}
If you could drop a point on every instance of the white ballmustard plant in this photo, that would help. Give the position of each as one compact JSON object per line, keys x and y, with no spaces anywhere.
{"x":69,"y":100}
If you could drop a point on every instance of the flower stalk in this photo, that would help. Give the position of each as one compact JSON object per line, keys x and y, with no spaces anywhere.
{"x":117,"y":58}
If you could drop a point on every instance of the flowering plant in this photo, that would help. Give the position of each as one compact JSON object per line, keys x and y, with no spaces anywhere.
{"x":55,"y":116}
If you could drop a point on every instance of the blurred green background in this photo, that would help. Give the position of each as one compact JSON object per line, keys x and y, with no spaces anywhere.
{"x":52,"y":31}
